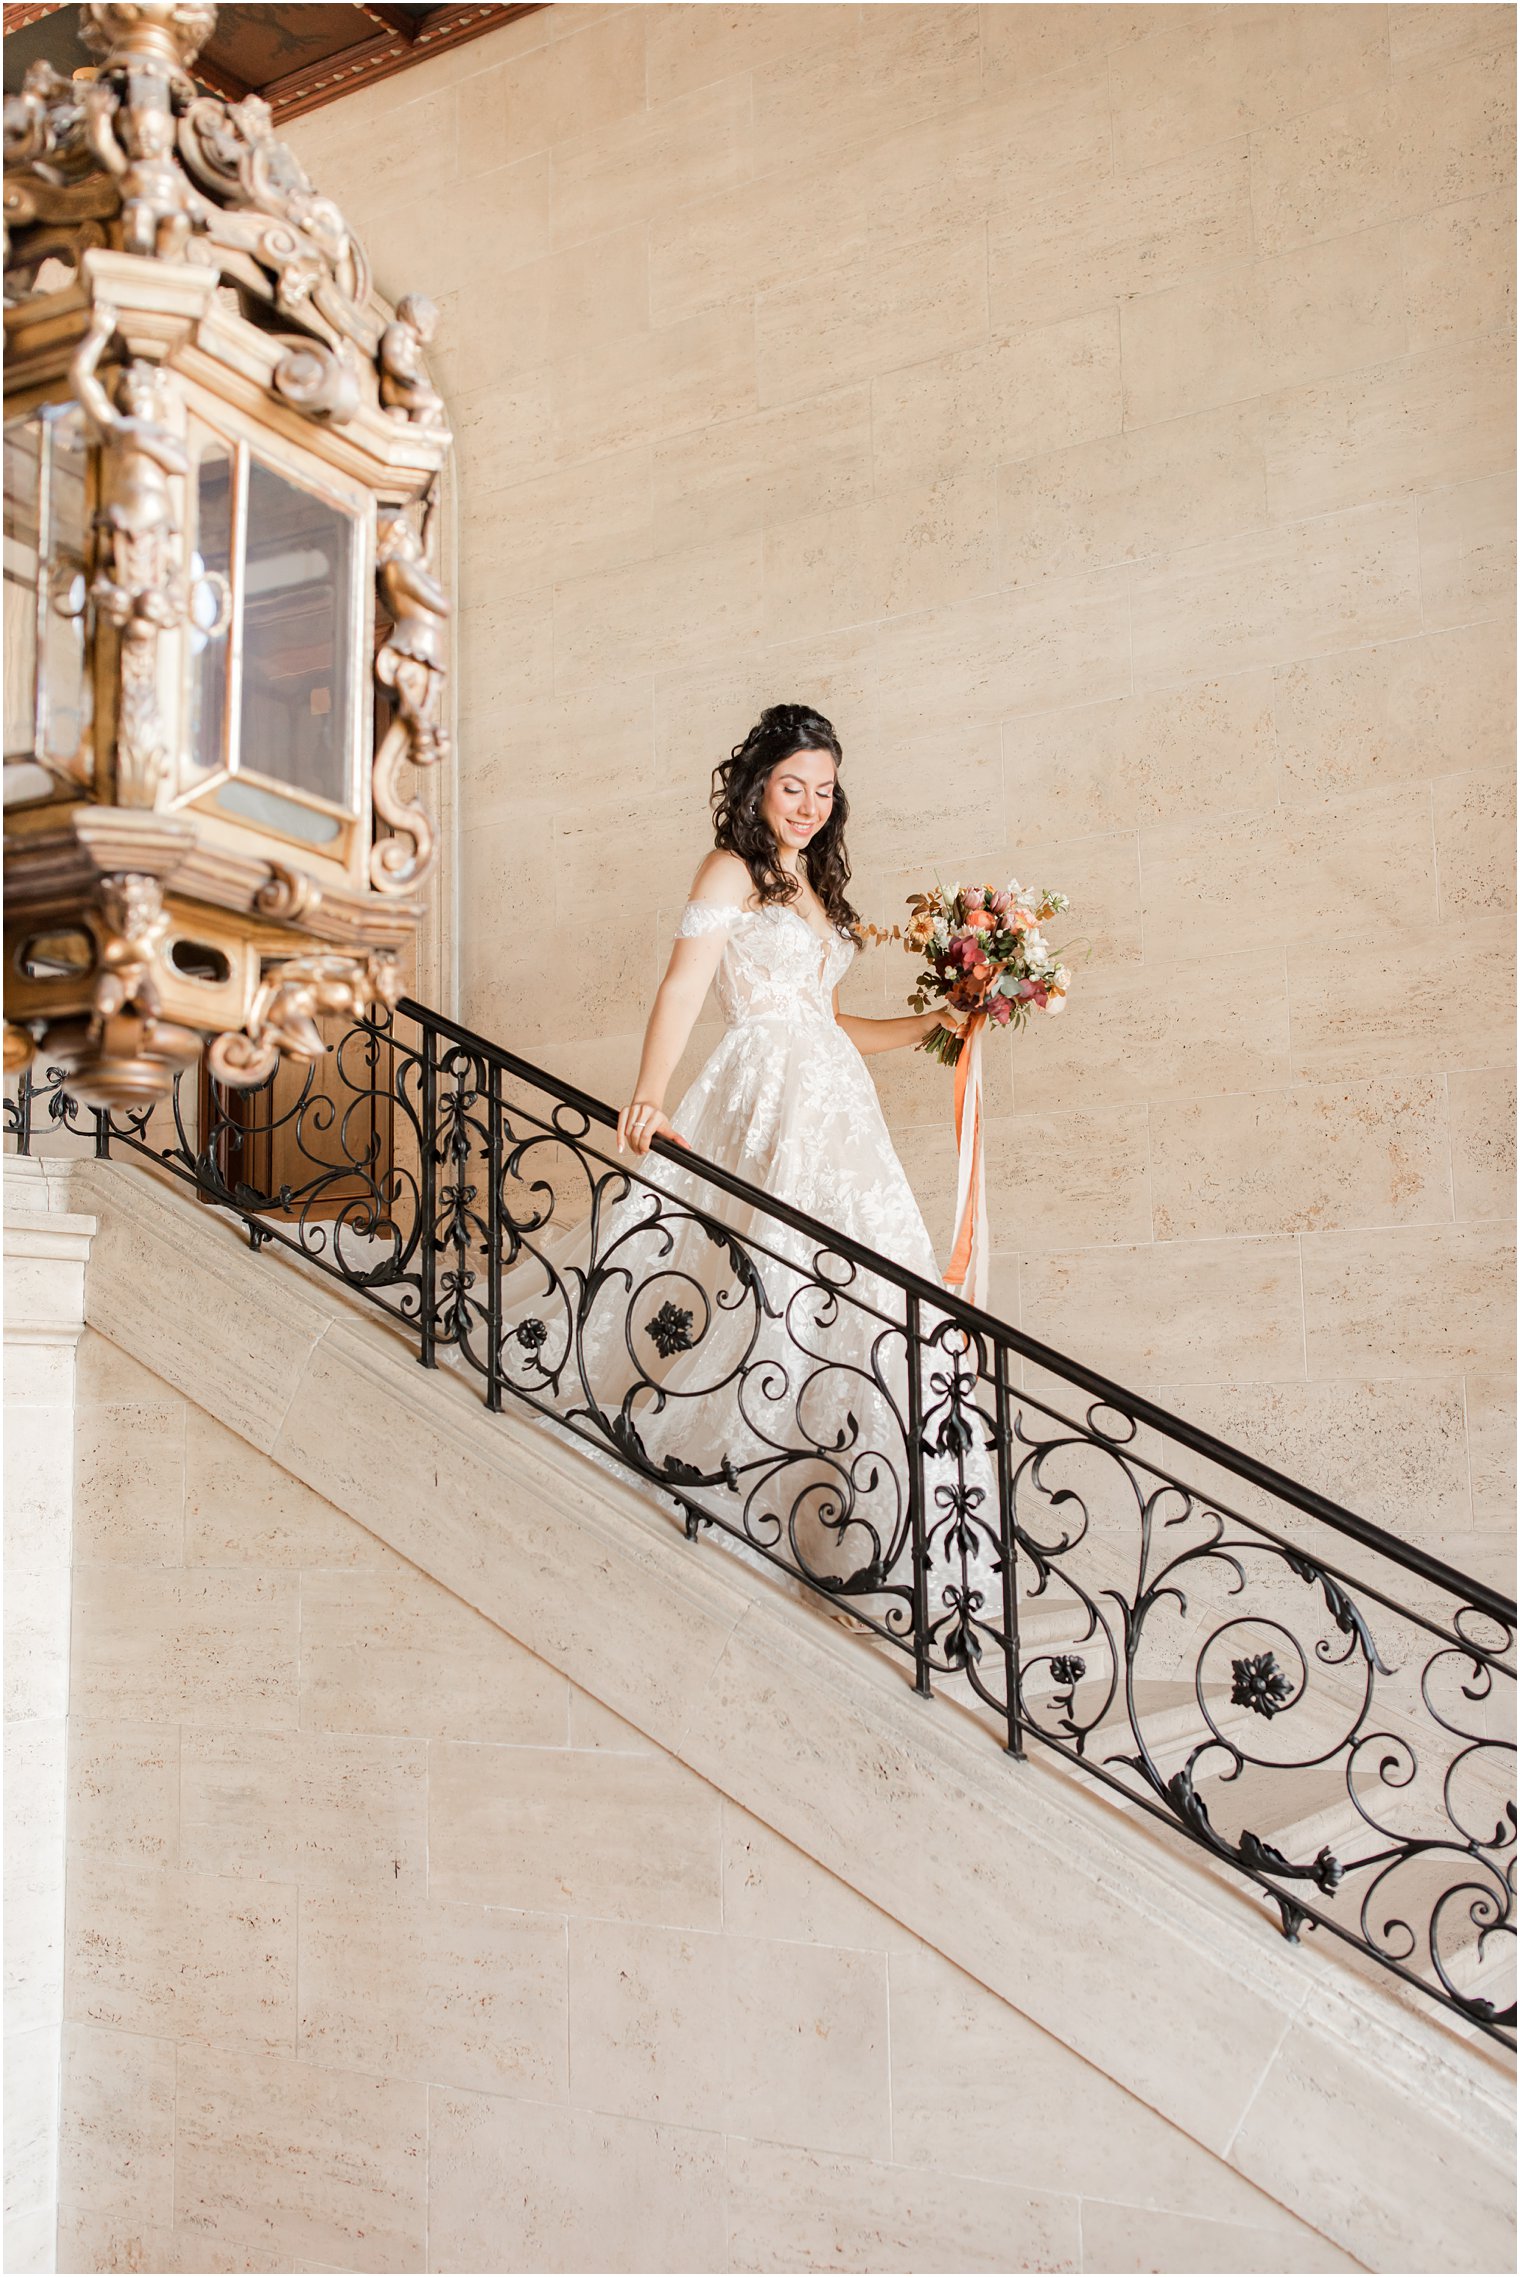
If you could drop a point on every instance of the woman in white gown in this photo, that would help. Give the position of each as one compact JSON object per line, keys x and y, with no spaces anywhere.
{"x":729,"y":1354}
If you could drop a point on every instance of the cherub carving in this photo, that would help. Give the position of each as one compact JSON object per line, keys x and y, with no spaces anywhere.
{"x":135,"y":142}
{"x":136,"y":925}
{"x":136,"y":583}
{"x":410,"y":662}
{"x":405,"y":388}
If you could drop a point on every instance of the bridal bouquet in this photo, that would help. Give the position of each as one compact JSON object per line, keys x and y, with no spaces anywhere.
{"x":985,"y":955}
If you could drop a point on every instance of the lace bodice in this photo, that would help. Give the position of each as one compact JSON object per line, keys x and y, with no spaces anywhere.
{"x":774,"y":965}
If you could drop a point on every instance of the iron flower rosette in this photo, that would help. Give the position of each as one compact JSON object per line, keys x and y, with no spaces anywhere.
{"x":225,"y":639}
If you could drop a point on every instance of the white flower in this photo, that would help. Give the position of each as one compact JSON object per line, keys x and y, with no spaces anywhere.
{"x":1062,"y":976}
{"x":1054,"y":1005}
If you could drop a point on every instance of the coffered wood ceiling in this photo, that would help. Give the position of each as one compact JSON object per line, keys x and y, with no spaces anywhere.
{"x":295,"y":57}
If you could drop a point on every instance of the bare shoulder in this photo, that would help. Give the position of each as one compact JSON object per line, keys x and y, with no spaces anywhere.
{"x":724,"y":879}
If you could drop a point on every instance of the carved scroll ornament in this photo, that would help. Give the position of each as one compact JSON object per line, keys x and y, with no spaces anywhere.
{"x":143,"y":159}
{"x":291,"y":997}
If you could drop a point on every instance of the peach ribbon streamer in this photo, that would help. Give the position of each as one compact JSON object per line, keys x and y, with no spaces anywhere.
{"x":967,"y":1273}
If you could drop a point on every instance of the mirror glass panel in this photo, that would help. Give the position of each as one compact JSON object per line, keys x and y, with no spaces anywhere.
{"x":66,"y":681}
{"x":23,"y":455}
{"x":251,"y":802}
{"x":297,"y":663}
{"x":210,"y":606}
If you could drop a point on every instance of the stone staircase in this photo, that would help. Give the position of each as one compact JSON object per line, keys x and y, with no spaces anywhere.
{"x":1382,"y":2122}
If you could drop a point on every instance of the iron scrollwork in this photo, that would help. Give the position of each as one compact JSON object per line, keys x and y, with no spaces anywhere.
{"x":1321,"y":1710}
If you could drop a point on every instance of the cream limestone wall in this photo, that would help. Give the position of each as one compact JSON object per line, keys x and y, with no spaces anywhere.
{"x":390,"y":1949}
{"x":1105,"y":415}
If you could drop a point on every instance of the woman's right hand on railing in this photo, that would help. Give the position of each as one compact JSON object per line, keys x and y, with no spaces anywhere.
{"x":640,"y":1122}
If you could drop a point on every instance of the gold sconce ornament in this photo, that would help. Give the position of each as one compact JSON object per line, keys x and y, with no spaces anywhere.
{"x":225,"y":638}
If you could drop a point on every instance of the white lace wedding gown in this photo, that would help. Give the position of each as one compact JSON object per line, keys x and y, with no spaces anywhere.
{"x":760,"y":1375}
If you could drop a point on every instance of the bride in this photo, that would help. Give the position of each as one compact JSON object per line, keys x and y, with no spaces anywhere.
{"x":717,"y":1347}
{"x":785,"y":1100}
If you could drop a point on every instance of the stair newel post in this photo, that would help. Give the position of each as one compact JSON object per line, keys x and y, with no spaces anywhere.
{"x":20,"y":1115}
{"x":916,"y":1522}
{"x":1007,"y":1553}
{"x":493,"y":1236}
{"x":427,"y":1248}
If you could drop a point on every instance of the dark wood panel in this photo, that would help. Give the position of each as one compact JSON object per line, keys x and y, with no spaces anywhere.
{"x":297,"y":58}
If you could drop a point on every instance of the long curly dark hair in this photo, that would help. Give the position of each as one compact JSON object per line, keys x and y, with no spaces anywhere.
{"x":740,"y":828}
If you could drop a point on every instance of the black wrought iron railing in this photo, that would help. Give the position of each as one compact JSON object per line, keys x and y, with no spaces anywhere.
{"x":1325,"y":1710}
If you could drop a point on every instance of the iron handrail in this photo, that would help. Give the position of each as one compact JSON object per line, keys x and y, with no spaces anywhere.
{"x":1278,"y":1484}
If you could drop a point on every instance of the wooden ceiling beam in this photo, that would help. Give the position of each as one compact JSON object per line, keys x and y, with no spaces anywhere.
{"x":219,"y":79}
{"x":20,"y":13}
{"x":382,"y":57}
{"x":400,"y":39}
{"x":311,"y":84}
{"x":403,"y":21}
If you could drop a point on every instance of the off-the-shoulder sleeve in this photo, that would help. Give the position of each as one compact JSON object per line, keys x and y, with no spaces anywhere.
{"x":699,"y":917}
